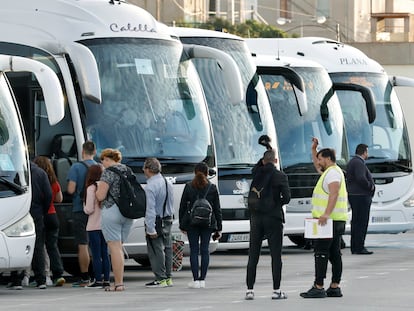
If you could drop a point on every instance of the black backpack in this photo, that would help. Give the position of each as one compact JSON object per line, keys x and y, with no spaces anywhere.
{"x":260,"y":194}
{"x":201,"y":211}
{"x":132,"y":200}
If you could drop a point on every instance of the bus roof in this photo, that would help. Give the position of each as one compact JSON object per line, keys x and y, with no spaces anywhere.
{"x":68,"y":21}
{"x":334,"y":56}
{"x":262,"y":60}
{"x":205,"y":33}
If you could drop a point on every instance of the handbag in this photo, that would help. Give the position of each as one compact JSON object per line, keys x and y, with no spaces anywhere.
{"x":159,"y":224}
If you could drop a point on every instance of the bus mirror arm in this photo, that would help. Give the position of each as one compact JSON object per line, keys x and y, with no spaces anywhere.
{"x":366,"y":94}
{"x":401,"y":81}
{"x":87,"y":71}
{"x":49,"y":82}
{"x":227,"y":65}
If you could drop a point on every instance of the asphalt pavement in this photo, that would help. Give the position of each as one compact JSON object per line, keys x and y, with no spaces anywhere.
{"x":381,"y":281}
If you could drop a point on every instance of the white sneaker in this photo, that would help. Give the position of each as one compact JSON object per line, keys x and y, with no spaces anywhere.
{"x":278,"y":295}
{"x":202,"y":284}
{"x":25,"y":281}
{"x":194,"y":284}
{"x":49,"y":281}
{"x":249,"y":295}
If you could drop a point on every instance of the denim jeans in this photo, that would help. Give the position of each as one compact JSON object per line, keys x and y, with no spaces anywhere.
{"x":199,"y":239}
{"x":100,"y":257}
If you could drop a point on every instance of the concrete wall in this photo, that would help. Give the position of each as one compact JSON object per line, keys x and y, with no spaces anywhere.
{"x":406,"y":96}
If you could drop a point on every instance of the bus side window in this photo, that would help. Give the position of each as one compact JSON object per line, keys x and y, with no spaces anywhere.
{"x":63,"y":156}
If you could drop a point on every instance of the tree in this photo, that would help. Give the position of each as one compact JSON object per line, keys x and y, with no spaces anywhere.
{"x":249,"y":29}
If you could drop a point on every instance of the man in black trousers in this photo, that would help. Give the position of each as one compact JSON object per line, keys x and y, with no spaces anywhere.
{"x":361,"y":188}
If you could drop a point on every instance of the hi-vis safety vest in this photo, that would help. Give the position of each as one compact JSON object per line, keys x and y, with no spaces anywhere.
{"x":320,"y":198}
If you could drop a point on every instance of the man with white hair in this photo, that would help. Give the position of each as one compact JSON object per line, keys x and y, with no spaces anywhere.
{"x":159,"y":194}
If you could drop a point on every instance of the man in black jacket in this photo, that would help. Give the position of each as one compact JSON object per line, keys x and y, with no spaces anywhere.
{"x":361,"y":188}
{"x":41,"y":198}
{"x":269,"y":191}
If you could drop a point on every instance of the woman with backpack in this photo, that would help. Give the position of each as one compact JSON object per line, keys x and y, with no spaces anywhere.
{"x":199,"y":219}
{"x":115,"y":227}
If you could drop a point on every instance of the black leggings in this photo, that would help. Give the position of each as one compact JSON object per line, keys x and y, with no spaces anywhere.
{"x":261,"y":227}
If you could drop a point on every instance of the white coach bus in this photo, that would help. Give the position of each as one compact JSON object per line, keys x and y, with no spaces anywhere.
{"x":237,"y":128}
{"x":128,"y":84}
{"x":382,"y":127}
{"x":297,"y":119}
{"x":17,"y":232}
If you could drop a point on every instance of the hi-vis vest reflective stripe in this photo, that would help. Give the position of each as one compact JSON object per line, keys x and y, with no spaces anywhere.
{"x":320,"y":198}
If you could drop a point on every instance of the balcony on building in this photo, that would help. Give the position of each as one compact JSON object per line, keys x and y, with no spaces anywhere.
{"x":392,"y":27}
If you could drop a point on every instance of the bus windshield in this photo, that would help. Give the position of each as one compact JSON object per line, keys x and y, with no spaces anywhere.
{"x":386,"y":137}
{"x":323,"y":118}
{"x":237,"y":127}
{"x":150,"y":102}
{"x":14,"y":177}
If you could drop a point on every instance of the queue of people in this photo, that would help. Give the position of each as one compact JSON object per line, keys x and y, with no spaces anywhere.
{"x":100,"y":227}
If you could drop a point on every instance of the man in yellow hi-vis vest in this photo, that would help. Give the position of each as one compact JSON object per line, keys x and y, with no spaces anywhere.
{"x":329,"y":200}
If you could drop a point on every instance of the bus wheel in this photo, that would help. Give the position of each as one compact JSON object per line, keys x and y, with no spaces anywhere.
{"x":299,"y":240}
{"x":143,"y":261}
{"x":71,"y":266}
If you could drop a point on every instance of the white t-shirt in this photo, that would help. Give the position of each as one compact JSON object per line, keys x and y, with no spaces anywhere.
{"x":333,"y":175}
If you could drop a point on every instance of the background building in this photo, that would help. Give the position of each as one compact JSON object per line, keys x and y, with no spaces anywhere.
{"x":347,"y":20}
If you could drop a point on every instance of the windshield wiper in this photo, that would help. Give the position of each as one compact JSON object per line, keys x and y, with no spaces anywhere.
{"x":141,"y":160}
{"x":237,"y":165}
{"x":299,"y":166}
{"x":391,"y":163}
{"x":13,"y":186}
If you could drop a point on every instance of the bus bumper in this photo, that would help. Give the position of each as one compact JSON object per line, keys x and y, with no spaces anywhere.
{"x":16,"y":252}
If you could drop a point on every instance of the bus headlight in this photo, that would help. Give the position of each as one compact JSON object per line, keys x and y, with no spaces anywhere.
{"x":24,"y":227}
{"x":409,"y":202}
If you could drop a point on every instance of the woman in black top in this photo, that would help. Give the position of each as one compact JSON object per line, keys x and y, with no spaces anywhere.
{"x":199,"y":237}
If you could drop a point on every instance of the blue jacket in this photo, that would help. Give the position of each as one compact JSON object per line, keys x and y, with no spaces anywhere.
{"x":359,"y":180}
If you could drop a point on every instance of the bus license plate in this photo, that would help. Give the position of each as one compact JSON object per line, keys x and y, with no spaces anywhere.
{"x":238,"y":238}
{"x":381,"y":219}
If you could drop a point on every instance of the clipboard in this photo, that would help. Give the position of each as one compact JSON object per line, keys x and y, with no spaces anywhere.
{"x":315,"y":231}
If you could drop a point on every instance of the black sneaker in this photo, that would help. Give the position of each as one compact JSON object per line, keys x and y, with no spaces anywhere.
{"x":41,"y":286}
{"x":14,"y":285}
{"x":157,"y":284}
{"x":106,"y":284}
{"x":334,"y":292}
{"x":95,"y":285}
{"x":81,"y":283}
{"x":314,"y":292}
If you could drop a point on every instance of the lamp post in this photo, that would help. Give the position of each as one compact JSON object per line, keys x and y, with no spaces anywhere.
{"x":320,"y":22}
